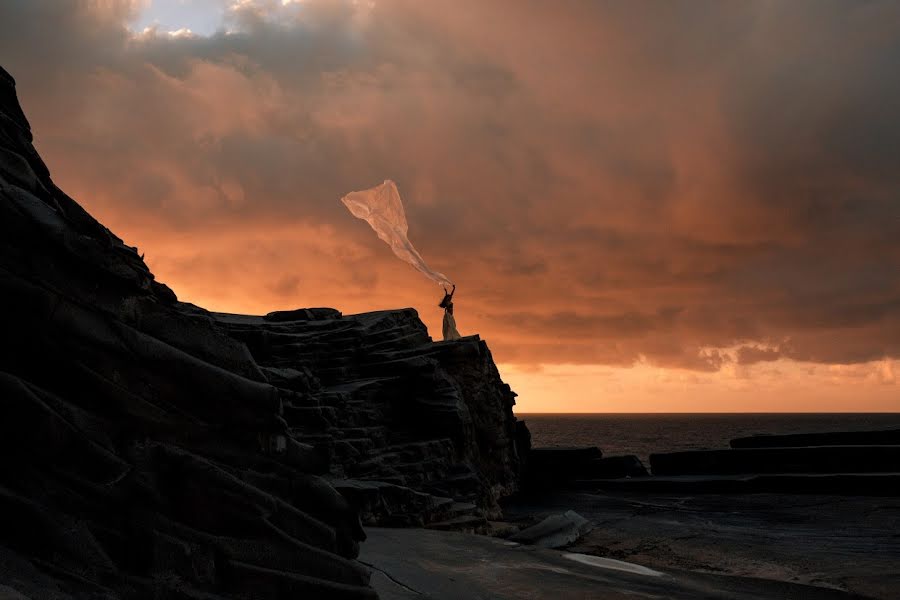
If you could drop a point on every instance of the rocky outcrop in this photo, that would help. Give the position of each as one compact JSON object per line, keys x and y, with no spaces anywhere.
{"x":813,"y":459}
{"x":885,"y":437}
{"x":556,"y":467}
{"x":143,"y":453}
{"x":836,"y":463}
{"x":863,"y":463}
{"x":424,"y":430}
{"x":151,"y":449}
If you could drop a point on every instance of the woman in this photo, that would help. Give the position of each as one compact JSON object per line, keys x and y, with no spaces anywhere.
{"x":450,"y":332}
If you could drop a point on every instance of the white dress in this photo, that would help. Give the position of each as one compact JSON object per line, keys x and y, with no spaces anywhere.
{"x":450,"y":332}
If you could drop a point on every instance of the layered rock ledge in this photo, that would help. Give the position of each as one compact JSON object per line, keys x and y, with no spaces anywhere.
{"x":415,"y":432}
{"x":151,"y":449}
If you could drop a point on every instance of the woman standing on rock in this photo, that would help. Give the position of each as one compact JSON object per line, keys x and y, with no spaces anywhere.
{"x":450,"y":332}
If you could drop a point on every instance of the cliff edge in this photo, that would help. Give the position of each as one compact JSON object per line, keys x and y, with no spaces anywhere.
{"x":151,"y":449}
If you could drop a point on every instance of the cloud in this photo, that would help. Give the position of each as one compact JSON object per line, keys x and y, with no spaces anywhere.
{"x":610,"y":184}
{"x":749,"y":355}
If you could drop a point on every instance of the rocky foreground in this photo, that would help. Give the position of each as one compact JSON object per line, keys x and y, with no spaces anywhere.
{"x":152,"y":449}
{"x":818,"y":513}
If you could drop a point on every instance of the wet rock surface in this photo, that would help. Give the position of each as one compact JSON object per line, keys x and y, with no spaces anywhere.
{"x":449,"y":566}
{"x":825,"y":542}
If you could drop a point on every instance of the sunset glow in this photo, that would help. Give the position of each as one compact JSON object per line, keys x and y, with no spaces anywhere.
{"x":641,"y":214}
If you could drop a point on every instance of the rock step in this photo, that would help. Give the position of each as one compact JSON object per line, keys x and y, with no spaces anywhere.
{"x":395,"y":479}
{"x":838,"y":484}
{"x":396,"y":340}
{"x":362,"y":385}
{"x":428,"y":448}
{"x":461,"y":487}
{"x":378,"y":432}
{"x":309,"y":417}
{"x":813,"y":459}
{"x":352,"y":448}
{"x":543,"y":475}
{"x":837,"y":438}
{"x":412,"y":473}
{"x":284,"y":344}
{"x":459,"y":509}
{"x":465,"y":523}
{"x":419,"y":478}
{"x":298,"y":380}
{"x":316,"y":361}
{"x":333,"y":397}
{"x":302,"y":314}
{"x":384,"y":503}
{"x":404,"y":367}
{"x":427,"y":469}
{"x":251,"y":579}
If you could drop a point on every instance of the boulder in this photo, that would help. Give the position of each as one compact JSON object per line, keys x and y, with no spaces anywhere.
{"x":553,"y":467}
{"x":555,"y":531}
{"x":613,"y":467}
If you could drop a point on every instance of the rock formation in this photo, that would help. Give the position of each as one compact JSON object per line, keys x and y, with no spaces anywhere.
{"x":886,"y":437}
{"x":151,"y":449}
{"x":554,"y":468}
{"x":415,"y":432}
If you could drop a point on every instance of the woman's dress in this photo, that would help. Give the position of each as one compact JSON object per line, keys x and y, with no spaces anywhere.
{"x":450,"y":332}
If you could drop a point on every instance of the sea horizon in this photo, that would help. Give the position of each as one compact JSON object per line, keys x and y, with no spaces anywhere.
{"x":645,"y":433}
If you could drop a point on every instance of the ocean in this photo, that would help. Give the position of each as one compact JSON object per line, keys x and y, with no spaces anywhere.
{"x":644,"y":434}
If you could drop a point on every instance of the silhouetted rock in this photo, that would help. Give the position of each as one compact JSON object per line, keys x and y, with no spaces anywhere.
{"x":554,"y":531}
{"x":556,"y":466}
{"x":613,"y":467}
{"x":815,"y":459}
{"x":832,"y":484}
{"x":302,"y":314}
{"x":142,"y":451}
{"x":390,"y":406}
{"x":575,"y":468}
{"x":834,"y":438}
{"x":146,"y":452}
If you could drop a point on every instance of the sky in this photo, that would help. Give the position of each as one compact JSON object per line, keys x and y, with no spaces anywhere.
{"x":647,"y":206}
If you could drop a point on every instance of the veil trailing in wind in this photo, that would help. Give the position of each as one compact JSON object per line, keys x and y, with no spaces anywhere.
{"x":382,"y":209}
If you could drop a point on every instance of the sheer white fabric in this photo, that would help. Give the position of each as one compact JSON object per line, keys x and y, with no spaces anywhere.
{"x":382,"y":209}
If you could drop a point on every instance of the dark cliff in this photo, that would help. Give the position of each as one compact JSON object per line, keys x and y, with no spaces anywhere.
{"x":151,"y":449}
{"x":414,"y":424}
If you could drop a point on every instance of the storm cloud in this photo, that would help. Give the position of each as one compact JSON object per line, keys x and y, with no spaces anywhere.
{"x":609,"y":183}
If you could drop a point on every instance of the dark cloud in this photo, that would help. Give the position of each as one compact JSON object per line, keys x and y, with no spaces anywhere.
{"x":609,"y":183}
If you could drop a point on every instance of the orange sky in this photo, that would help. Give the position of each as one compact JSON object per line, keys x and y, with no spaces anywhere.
{"x":647,"y":207}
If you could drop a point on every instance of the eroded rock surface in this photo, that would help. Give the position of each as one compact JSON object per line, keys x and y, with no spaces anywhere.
{"x":830,"y":542}
{"x":424,"y":430}
{"x":450,"y":566}
{"x":145,"y":452}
